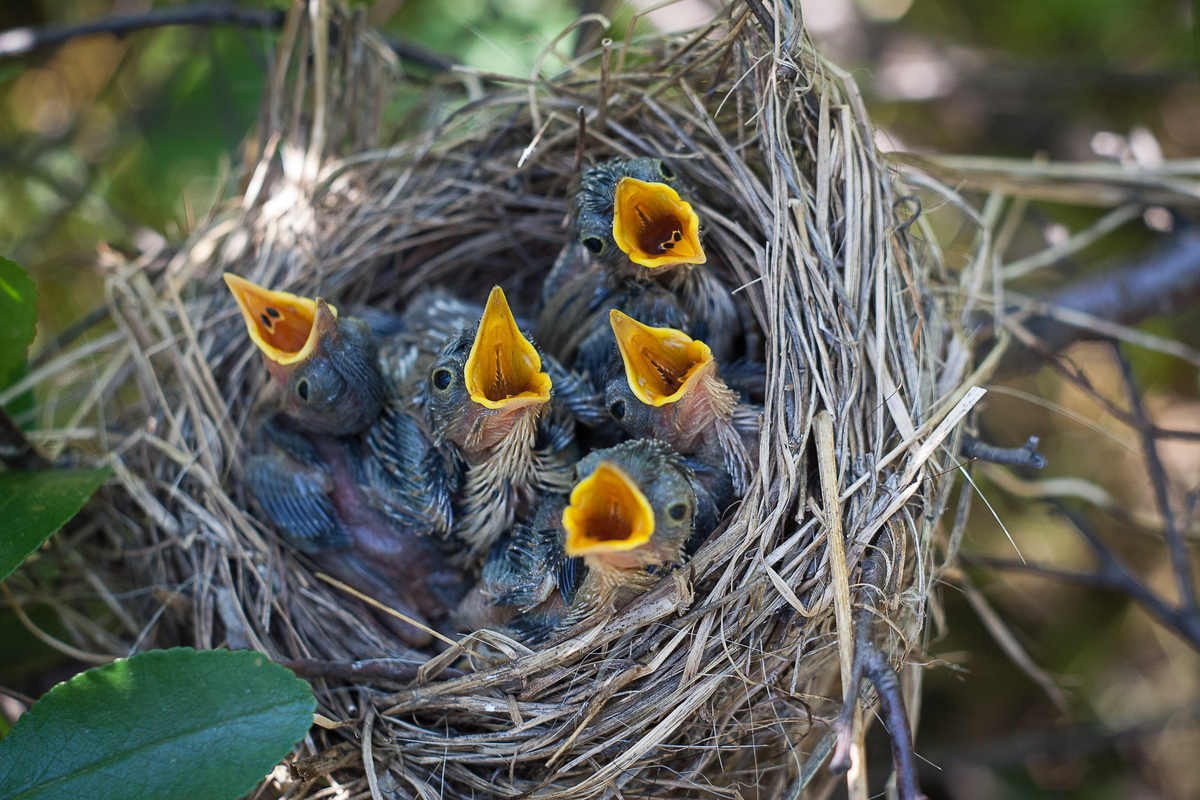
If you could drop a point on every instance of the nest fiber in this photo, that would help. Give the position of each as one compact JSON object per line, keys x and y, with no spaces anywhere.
{"x":364,"y":185}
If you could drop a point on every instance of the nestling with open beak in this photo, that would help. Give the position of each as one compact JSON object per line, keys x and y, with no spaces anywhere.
{"x":365,"y":518}
{"x":672,"y":390}
{"x":350,"y":473}
{"x":631,"y":511}
{"x":489,"y":395}
{"x":634,"y":229}
{"x":326,"y":365}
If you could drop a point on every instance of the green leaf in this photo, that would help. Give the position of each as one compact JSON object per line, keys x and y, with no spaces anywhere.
{"x":167,"y":723}
{"x":34,"y":505}
{"x":18,"y":319}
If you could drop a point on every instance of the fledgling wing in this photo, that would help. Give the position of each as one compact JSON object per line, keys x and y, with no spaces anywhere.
{"x":575,"y":394}
{"x":406,"y":475}
{"x":296,"y":499}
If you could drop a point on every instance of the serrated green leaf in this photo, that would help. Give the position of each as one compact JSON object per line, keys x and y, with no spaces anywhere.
{"x":18,"y":319}
{"x":34,"y":505}
{"x":176,"y":723}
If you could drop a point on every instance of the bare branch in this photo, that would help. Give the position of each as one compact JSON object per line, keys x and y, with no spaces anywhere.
{"x":1112,"y":575}
{"x":1185,"y":583}
{"x":20,"y":41}
{"x":872,"y":664}
{"x":1024,"y":456}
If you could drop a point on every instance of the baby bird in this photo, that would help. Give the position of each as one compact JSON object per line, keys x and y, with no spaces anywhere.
{"x":365,"y":520}
{"x":326,"y":366}
{"x":630,"y":513}
{"x":630,"y":217}
{"x":351,"y":473}
{"x":489,"y":395}
{"x":672,"y":390}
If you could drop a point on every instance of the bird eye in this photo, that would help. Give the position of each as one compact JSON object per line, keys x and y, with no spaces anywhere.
{"x":442,"y":379}
{"x":678,"y":511}
{"x":665,"y":170}
{"x":594,"y":244}
{"x":617,"y":410}
{"x":302,"y":389}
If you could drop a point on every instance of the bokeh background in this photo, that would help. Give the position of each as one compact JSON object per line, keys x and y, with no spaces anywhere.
{"x":129,"y":143}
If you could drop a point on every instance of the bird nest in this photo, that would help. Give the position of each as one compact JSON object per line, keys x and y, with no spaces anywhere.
{"x":364,"y":185}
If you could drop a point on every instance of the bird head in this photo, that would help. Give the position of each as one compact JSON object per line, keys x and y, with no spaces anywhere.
{"x":487,"y":380}
{"x":326,"y":366}
{"x":633,"y":506}
{"x":632,"y":210}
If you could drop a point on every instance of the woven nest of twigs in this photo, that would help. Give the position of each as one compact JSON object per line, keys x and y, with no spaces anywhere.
{"x":729,"y":672}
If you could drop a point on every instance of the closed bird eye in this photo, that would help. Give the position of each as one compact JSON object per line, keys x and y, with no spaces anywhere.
{"x":442,"y":378}
{"x":678,"y":511}
{"x":617,"y":410}
{"x":302,"y":389}
{"x":594,"y":244}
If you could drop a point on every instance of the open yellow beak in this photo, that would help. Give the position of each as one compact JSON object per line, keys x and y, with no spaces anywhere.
{"x":608,"y":514}
{"x":661,"y":364}
{"x":503,"y":369}
{"x":283,"y":325}
{"x":654,"y":226}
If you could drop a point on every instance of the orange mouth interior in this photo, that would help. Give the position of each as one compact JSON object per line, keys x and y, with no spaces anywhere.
{"x":661,"y":364}
{"x":654,"y":226}
{"x":503,"y":369}
{"x":608,"y":514}
{"x":281,"y":324}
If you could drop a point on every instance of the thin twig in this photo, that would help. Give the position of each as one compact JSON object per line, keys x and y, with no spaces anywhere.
{"x":1185,"y":583}
{"x":20,"y":41}
{"x":872,"y":664}
{"x":764,"y":17}
{"x":1024,"y":456}
{"x":1112,"y":575}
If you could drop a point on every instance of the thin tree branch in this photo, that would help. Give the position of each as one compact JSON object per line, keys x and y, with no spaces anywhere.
{"x":20,"y":41}
{"x":16,"y":451}
{"x":871,"y":663}
{"x":1165,"y":281}
{"x":1112,"y":575}
{"x":1024,"y":456}
{"x":1072,"y":374}
{"x":1184,"y":580}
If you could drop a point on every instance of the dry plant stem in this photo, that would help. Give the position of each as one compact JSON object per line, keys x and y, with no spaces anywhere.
{"x":872,"y":664}
{"x":361,"y":670}
{"x":836,"y":545}
{"x":19,"y":41}
{"x":764,"y":18}
{"x":1180,"y":561}
{"x":16,"y":451}
{"x":1024,"y":456}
